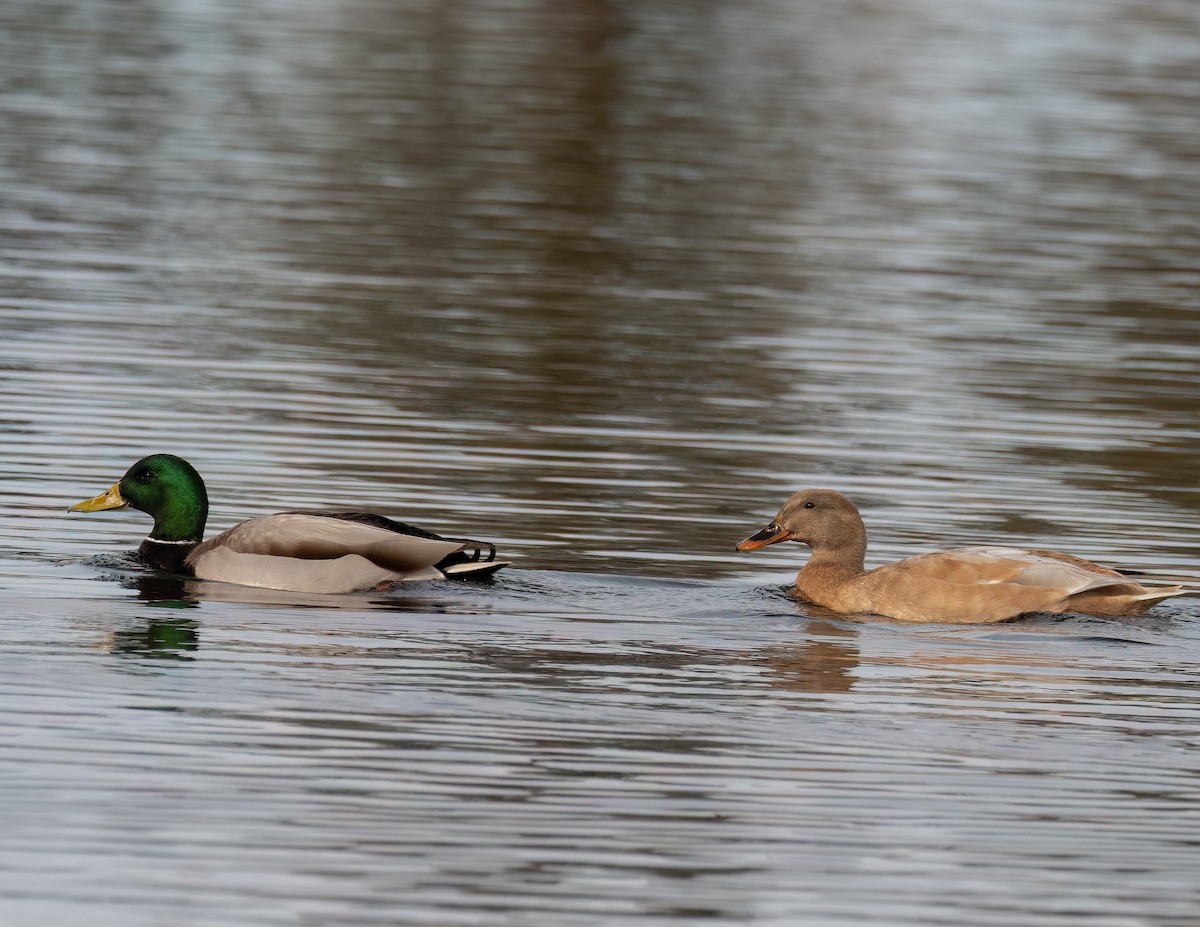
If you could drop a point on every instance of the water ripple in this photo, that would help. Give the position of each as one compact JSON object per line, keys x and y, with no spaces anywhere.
{"x":602,"y":283}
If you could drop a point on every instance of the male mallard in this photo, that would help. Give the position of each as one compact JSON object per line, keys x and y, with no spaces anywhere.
{"x":967,"y":584}
{"x":296,"y":551}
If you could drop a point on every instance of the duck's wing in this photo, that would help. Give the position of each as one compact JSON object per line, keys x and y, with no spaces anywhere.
{"x":989,"y":583}
{"x":304,"y":536}
{"x":469,"y":550}
{"x":991,"y":566}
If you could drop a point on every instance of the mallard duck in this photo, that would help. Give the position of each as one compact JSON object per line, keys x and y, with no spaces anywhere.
{"x":297,"y":551}
{"x":966,"y":584}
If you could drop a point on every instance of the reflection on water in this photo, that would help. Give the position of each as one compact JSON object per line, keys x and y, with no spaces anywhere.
{"x":825,"y":660}
{"x":171,"y":638}
{"x":605,"y":283}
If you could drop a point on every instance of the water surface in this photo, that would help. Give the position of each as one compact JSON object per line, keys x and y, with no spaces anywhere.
{"x":602,"y":283}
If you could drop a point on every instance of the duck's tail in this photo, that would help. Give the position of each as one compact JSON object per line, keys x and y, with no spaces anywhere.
{"x":1159,"y":593}
{"x":475,"y":560}
{"x":472,"y":570}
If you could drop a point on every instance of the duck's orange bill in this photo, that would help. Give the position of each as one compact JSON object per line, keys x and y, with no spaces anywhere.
{"x":772,"y":534}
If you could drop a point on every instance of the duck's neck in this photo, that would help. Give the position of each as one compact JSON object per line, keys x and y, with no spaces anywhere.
{"x":830,"y":567}
{"x":166,"y":555}
{"x":178,"y":528}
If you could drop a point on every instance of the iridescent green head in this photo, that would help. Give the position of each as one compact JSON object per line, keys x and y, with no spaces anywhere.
{"x":167,"y":488}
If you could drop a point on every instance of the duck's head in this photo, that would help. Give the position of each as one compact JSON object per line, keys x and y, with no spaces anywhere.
{"x":164,"y":486}
{"x":820,"y":518}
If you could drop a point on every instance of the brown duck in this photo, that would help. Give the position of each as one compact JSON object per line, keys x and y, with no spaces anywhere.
{"x":966,"y":584}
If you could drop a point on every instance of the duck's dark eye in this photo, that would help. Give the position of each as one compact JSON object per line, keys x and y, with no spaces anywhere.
{"x":810,"y":505}
{"x":147,"y":476}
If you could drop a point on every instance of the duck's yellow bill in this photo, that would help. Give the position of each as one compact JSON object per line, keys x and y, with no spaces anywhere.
{"x":106,"y":500}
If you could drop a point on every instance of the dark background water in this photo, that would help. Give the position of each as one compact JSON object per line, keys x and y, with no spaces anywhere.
{"x":603,"y":282}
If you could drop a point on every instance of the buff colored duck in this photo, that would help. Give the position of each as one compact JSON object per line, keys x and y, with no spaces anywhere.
{"x":296,"y":551}
{"x":969,"y":584}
